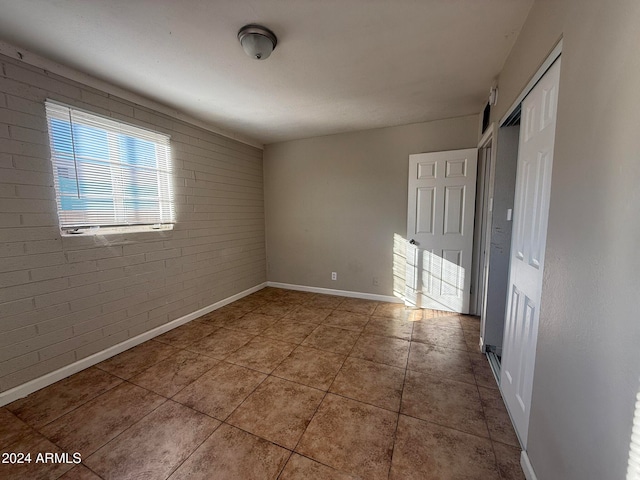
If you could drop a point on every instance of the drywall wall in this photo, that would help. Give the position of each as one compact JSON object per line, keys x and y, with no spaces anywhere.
{"x":334,"y":203}
{"x":588,"y":355}
{"x":65,"y":298}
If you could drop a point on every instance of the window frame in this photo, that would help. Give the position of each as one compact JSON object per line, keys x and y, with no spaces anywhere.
{"x":111,"y":209}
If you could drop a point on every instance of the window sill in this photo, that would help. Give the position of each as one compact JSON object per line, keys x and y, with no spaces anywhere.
{"x":92,"y":231}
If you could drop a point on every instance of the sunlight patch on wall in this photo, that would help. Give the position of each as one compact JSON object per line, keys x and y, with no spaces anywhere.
{"x":633,"y":470}
{"x":399,"y":265}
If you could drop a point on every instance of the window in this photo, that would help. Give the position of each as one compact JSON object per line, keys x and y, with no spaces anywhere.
{"x":108,"y":173}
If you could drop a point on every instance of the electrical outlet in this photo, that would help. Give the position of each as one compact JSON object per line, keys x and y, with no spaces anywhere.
{"x":334,"y":275}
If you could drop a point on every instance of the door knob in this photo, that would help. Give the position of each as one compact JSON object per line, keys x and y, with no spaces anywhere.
{"x":412,"y":242}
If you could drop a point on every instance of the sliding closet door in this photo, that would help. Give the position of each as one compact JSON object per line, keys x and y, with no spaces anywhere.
{"x":528,"y":241}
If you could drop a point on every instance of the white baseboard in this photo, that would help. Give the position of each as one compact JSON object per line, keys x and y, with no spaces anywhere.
{"x":526,"y":466}
{"x":341,"y":293}
{"x":26,"y":388}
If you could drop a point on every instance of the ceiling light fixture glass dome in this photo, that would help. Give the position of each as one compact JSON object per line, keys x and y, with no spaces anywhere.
{"x":257,"y":41}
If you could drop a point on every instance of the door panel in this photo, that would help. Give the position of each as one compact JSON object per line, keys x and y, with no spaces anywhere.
{"x":425,"y":216}
{"x":531,"y":212}
{"x":440,"y":222}
{"x":454,"y":210}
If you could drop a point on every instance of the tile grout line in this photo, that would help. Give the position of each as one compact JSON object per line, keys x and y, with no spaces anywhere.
{"x":326,"y":392}
{"x":193,"y":409}
{"x":404,"y":381}
{"x":495,"y":456}
{"x":325,"y":396}
{"x":271,"y":374}
{"x":166,"y":399}
{"x":74,"y":408}
{"x":291,"y":451}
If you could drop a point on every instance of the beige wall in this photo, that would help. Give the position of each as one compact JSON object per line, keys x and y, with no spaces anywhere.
{"x":588,"y":355}
{"x":334,"y":203}
{"x":62,"y":299}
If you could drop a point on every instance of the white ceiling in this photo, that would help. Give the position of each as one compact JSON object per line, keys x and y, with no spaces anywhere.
{"x":340,"y":65}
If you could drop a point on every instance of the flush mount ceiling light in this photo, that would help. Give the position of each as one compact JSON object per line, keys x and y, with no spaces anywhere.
{"x":257,"y":41}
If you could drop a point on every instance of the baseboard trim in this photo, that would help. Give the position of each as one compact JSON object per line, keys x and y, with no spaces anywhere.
{"x":526,"y":466}
{"x":36,"y":384}
{"x":340,"y":293}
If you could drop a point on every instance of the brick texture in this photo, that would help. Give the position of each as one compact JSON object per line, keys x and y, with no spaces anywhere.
{"x":64,"y":298}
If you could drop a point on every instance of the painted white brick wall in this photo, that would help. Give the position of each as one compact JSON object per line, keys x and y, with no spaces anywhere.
{"x":62,"y":299}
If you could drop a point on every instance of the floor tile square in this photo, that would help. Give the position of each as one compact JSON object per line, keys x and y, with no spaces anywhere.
{"x":223,"y":315}
{"x":80,"y":472}
{"x":498,"y":420}
{"x":133,"y":361}
{"x":445,"y":402}
{"x":253,"y":323}
{"x":439,"y":361}
{"x":230,"y":454}
{"x":482,"y":370}
{"x":303,"y":468}
{"x":307,"y":314}
{"x":309,"y":366}
{"x":508,"y":459}
{"x":248,"y":304}
{"x":347,"y":320}
{"x":397,"y":311}
{"x":358,"y":305}
{"x":52,"y":402}
{"x":325,"y":301}
{"x":262,"y":354}
{"x":11,"y":428}
{"x":425,"y":450}
{"x":95,"y":423}
{"x":332,"y":339}
{"x":437,"y":335}
{"x":351,"y":436}
{"x":275,"y":309}
{"x":390,"y":351}
{"x":186,"y":334}
{"x":33,"y":443}
{"x":297,"y":297}
{"x":428,"y":314}
{"x":219,"y":391}
{"x":154,"y":446}
{"x":470,"y":323}
{"x":220,"y":343}
{"x":288,"y":331}
{"x":174,"y":373}
{"x":447,"y":320}
{"x":278,"y":411}
{"x":369,"y":382}
{"x":500,"y":426}
{"x":389,"y":327}
{"x":472,"y":341}
{"x":271,"y":294}
{"x":491,"y":398}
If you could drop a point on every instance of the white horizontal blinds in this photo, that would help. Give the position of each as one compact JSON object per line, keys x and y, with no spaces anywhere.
{"x":108,"y":173}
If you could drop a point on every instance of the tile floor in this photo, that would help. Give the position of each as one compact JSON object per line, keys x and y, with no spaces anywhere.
{"x":280,"y":384}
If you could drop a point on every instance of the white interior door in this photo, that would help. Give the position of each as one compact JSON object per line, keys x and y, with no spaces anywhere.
{"x":442,"y":191}
{"x":531,"y":212}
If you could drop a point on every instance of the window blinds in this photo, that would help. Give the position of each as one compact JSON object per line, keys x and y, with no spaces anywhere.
{"x":108,"y":173}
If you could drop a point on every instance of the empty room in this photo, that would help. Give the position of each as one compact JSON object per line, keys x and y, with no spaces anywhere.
{"x":295,"y":239}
